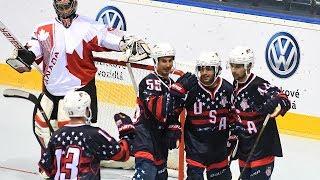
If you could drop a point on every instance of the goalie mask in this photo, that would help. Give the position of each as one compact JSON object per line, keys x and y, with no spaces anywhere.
{"x":76,"y":104}
{"x":66,"y":10}
{"x":162,"y":50}
{"x":242,"y":55}
{"x":208,"y":59}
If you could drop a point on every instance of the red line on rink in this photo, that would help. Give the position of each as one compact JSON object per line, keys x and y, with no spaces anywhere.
{"x":19,"y":170}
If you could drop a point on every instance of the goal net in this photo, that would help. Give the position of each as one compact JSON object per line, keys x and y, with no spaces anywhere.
{"x":116,"y":93}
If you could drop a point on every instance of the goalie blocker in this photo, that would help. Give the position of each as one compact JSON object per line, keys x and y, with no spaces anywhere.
{"x":21,"y":60}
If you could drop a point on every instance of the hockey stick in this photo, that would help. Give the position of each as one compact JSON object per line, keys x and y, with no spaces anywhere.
{"x":233,"y":153}
{"x":16,"y":93}
{"x":14,"y":41}
{"x":265,"y":122}
{"x":134,"y":83}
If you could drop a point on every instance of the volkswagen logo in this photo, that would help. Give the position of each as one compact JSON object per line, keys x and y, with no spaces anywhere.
{"x":112,"y":17}
{"x":282,"y":55}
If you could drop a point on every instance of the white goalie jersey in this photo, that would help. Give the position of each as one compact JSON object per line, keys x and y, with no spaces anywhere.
{"x":66,"y":53}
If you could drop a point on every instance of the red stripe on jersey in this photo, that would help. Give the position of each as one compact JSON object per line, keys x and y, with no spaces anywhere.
{"x":206,"y":113}
{"x":257,"y":163}
{"x":147,"y":155}
{"x":124,"y":153}
{"x":201,"y":121}
{"x":159,"y":109}
{"x":150,"y":103}
{"x":248,"y":114}
{"x":144,"y":155}
{"x":195,"y":163}
{"x":218,"y":165}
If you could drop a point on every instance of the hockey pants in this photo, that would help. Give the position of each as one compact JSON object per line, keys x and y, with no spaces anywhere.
{"x":146,"y":169}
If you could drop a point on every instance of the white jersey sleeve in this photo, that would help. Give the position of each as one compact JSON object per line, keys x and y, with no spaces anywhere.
{"x":34,"y":46}
{"x":107,"y":37}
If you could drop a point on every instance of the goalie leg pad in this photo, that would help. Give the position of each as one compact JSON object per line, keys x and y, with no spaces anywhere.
{"x":41,"y":127}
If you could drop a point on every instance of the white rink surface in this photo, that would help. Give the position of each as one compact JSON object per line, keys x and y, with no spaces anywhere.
{"x":20,"y":151}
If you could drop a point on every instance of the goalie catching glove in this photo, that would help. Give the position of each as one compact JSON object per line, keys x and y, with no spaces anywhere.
{"x":21,"y":60}
{"x":135,"y":49}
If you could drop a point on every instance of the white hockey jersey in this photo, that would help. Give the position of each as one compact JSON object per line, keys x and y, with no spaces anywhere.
{"x":66,"y":53}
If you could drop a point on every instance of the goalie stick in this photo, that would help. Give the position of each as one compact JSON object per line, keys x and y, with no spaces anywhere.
{"x":16,"y":93}
{"x":14,"y":41}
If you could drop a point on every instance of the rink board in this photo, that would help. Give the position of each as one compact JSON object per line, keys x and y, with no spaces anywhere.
{"x":292,"y":123}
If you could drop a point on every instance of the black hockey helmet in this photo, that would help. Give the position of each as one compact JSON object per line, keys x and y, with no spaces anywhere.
{"x":65,"y":8}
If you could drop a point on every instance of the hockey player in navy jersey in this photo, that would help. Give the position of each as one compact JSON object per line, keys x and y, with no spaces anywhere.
{"x":75,"y":151}
{"x":64,"y":47}
{"x":206,"y":128}
{"x":254,"y":98}
{"x":157,"y":131}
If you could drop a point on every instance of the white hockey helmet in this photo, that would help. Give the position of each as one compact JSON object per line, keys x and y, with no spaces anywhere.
{"x":76,"y":104}
{"x":162,"y":50}
{"x":208,"y":59}
{"x":242,"y":55}
{"x":211,"y":59}
{"x":65,"y":8}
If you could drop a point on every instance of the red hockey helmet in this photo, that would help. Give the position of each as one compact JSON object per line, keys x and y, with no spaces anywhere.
{"x":65,"y":8}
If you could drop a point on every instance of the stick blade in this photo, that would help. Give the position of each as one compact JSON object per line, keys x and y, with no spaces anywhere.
{"x":17,"y":93}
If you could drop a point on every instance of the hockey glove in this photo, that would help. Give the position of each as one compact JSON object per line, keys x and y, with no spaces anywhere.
{"x":269,"y":106}
{"x":183,"y":84}
{"x":173,"y":136}
{"x":125,"y":125}
{"x":284,"y":103}
{"x":21,"y":60}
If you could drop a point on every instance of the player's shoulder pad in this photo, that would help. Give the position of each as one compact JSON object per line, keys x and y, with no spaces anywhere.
{"x":227,"y":85}
{"x":87,"y":19}
{"x":149,"y":76}
{"x":259,"y":81}
{"x":46,"y":23}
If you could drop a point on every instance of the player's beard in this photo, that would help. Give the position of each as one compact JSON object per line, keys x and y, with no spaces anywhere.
{"x":240,"y":77}
{"x":165,"y":71}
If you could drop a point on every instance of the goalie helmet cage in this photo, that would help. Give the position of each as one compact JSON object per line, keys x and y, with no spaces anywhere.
{"x":116,"y":93}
